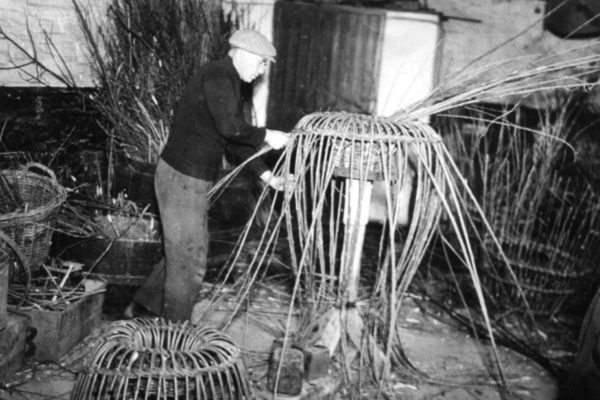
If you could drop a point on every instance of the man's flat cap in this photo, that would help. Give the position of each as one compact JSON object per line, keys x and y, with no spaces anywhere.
{"x":253,"y":42}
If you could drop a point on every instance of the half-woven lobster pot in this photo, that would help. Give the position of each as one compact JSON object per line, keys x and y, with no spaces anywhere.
{"x":39,"y":199}
{"x":363,"y":146}
{"x":157,"y":359}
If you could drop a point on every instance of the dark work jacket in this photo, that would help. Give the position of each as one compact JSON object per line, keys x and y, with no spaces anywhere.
{"x":208,"y":119}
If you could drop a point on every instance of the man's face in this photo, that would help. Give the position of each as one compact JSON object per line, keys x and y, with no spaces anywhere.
{"x":251,"y":66}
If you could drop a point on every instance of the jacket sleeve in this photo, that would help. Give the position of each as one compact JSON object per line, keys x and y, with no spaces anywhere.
{"x":225,"y":107}
{"x":242,"y":152}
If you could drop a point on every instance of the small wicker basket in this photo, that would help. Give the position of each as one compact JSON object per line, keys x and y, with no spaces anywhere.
{"x":156,"y":359}
{"x":31,"y":228}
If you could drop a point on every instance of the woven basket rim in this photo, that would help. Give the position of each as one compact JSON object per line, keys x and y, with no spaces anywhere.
{"x":364,"y":127}
{"x":39,"y":212}
{"x":375,"y":138}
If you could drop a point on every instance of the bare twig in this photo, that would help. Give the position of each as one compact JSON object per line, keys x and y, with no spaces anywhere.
{"x":63,"y":75}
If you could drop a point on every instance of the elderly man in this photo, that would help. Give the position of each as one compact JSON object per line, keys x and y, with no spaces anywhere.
{"x":208,"y":120}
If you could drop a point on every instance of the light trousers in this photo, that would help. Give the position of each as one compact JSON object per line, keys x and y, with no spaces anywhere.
{"x":172,"y":288}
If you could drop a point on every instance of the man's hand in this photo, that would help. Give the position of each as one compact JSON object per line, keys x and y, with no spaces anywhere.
{"x":279,"y":183}
{"x":276,"y":139}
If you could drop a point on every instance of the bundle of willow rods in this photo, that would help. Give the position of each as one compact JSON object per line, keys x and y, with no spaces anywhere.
{"x":547,"y":225}
{"x":157,"y":359}
{"x":142,"y":54}
{"x":559,"y":73}
{"x":44,"y":295}
{"x":86,"y":217}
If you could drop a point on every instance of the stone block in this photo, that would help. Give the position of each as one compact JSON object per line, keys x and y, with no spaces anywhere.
{"x":289,"y":362}
{"x":316,"y":362}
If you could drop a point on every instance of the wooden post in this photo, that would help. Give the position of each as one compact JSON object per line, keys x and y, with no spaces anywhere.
{"x":356,"y":216}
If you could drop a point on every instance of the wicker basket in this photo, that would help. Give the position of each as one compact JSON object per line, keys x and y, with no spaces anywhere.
{"x":156,"y":359}
{"x":546,"y":276}
{"x":31,"y":229}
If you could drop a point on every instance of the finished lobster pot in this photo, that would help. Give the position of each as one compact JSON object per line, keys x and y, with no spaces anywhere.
{"x":29,"y":205}
{"x":157,"y":359}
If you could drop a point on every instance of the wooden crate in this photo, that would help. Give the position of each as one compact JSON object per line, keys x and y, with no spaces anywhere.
{"x":12,"y":345}
{"x":59,"y":331}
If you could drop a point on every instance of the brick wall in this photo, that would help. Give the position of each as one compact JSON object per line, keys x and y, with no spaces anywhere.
{"x":498,"y":21}
{"x":513,"y":28}
{"x":45,"y":20}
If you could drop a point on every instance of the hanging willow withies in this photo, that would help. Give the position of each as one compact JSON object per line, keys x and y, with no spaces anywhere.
{"x":330,"y":151}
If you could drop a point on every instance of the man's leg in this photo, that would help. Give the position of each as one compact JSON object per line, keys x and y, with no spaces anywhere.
{"x":150,"y":294}
{"x":183,"y":206}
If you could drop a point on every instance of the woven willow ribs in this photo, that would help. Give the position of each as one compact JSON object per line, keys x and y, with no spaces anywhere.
{"x":156,"y":359}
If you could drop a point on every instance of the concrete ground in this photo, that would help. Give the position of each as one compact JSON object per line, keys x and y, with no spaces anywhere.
{"x":458,"y":367}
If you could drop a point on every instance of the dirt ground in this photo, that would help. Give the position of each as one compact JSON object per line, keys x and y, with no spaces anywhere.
{"x":458,"y":367}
